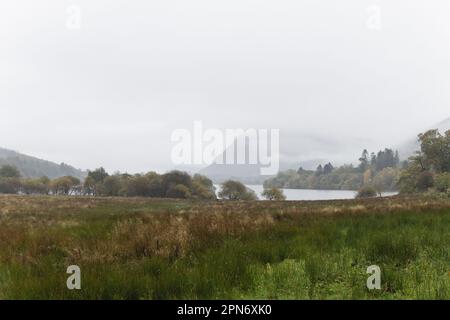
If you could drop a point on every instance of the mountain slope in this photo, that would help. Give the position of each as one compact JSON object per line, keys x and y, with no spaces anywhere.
{"x":249,"y":173}
{"x":33,"y":167}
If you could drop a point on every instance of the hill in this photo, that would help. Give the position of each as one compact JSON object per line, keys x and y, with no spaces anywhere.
{"x":32,"y":167}
{"x":251,"y":173}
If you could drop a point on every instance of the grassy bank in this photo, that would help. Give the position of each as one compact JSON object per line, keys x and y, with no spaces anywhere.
{"x":167,"y":249}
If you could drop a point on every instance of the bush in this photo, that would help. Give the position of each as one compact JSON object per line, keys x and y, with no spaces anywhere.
{"x":63,"y":185}
{"x":234,"y":190}
{"x":176,"y":177}
{"x":442,"y":182}
{"x":35,"y":186}
{"x":178,"y":191}
{"x":9,"y":185}
{"x":136,"y":186}
{"x":249,"y":195}
{"x":367,"y":192}
{"x":425,"y":181}
{"x":273,"y":194}
{"x":203,"y":188}
{"x":111,"y":186}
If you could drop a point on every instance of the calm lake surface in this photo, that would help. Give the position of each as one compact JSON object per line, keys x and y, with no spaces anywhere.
{"x":307,"y":194}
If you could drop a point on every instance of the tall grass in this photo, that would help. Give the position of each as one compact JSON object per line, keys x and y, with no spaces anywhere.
{"x":161,"y":249}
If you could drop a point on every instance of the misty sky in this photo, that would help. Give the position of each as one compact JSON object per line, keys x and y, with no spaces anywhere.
{"x":111,"y":92}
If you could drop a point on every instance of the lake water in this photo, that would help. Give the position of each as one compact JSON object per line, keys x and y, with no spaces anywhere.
{"x":307,"y":194}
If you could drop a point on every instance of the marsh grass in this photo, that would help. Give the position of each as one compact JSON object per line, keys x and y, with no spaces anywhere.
{"x":167,"y":249}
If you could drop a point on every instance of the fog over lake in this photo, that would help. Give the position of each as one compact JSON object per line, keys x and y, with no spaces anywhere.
{"x":110,"y":90}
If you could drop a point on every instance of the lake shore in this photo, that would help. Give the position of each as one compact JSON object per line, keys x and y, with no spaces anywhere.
{"x":310,"y":194}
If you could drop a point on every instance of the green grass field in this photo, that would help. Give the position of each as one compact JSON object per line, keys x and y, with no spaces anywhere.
{"x":169,"y":249}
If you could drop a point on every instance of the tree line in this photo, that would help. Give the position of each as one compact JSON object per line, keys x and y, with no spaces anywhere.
{"x":381,"y":170}
{"x":428,"y":170}
{"x":173,"y":184}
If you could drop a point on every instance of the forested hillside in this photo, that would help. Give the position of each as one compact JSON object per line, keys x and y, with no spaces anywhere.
{"x":32,"y":167}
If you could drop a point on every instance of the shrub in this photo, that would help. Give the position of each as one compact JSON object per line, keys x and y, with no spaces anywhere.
{"x":203,"y":187}
{"x":63,"y":185}
{"x":178,"y":191}
{"x":111,"y":186}
{"x":234,"y":190}
{"x":273,"y":194}
{"x":442,"y":182}
{"x":176,"y":177}
{"x":367,"y":192}
{"x":137,"y":186}
{"x":425,"y":181}
{"x":35,"y":186}
{"x":9,"y":185}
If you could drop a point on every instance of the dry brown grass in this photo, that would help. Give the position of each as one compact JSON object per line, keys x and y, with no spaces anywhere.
{"x":47,"y":232}
{"x":136,"y":228}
